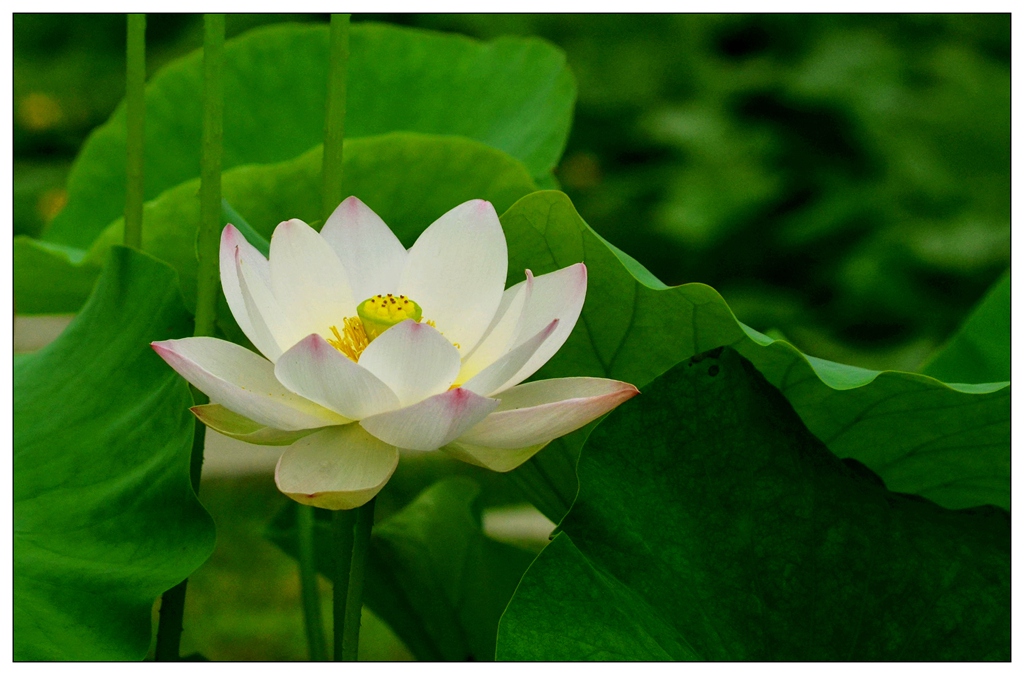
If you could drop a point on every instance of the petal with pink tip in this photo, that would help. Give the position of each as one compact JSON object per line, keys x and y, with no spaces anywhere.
{"x":556,"y":295}
{"x":413,"y":360}
{"x":337,"y":468}
{"x":369,"y":251}
{"x":538,"y":412}
{"x":308,"y":280}
{"x":234,"y":246}
{"x":315,"y":370}
{"x":243,"y":382}
{"x":502,"y":333}
{"x":493,"y":379}
{"x":431,"y":423}
{"x":269,"y":325}
{"x":456,"y":272}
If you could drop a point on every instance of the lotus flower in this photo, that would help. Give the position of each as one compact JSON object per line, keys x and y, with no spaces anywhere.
{"x":368,"y":348}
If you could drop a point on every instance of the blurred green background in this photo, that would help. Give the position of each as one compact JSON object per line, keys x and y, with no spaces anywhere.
{"x":842,"y":180}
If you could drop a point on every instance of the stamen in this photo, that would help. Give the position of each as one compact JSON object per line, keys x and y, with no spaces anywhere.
{"x":353,"y":341}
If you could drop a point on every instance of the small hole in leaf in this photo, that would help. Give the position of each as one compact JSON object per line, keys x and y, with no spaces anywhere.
{"x":713,"y":370}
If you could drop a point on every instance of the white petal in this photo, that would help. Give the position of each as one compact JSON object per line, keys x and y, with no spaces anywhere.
{"x":495,"y":378}
{"x":413,"y":360}
{"x":243,"y":382}
{"x":502,"y":333}
{"x":241,"y":428}
{"x":369,"y":251}
{"x":456,"y":272}
{"x":315,"y":370}
{"x":431,"y":423}
{"x":538,"y":412}
{"x":234,"y":246}
{"x":270,"y":325}
{"x":337,"y":468}
{"x":557,"y":295}
{"x":308,"y":280}
{"x":495,"y":459}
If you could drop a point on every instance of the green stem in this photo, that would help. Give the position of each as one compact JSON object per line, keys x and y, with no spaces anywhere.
{"x":342,"y":523}
{"x":310,"y":590}
{"x":357,"y":575}
{"x":208,"y":242}
{"x":135,"y":104}
{"x":334,"y":119}
{"x":172,"y":605}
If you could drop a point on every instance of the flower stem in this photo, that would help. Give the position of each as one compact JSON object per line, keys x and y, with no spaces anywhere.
{"x":308,"y":579}
{"x":172,"y":605}
{"x":135,"y":104}
{"x":334,"y":119}
{"x":342,"y":523}
{"x":357,"y":575}
{"x":208,"y":242}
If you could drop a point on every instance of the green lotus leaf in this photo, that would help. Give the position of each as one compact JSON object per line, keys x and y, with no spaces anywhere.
{"x":513,"y":94}
{"x":712,"y":525}
{"x":980,"y":350}
{"x":105,"y":518}
{"x":947,"y":442}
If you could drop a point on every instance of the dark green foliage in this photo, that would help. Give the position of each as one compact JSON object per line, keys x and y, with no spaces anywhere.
{"x":711,"y":525}
{"x":432,"y":575}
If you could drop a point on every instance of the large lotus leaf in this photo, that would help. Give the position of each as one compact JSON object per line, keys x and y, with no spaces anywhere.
{"x":947,"y":442}
{"x":712,"y":525}
{"x":514,"y":94}
{"x":980,"y":350}
{"x":433,"y":575}
{"x":409,"y":179}
{"x":105,"y":518}
{"x":50,"y":278}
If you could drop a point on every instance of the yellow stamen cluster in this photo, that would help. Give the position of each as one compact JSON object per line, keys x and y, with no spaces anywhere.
{"x":375,"y":316}
{"x":353,"y":340}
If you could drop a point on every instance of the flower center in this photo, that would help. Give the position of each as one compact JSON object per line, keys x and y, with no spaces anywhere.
{"x":374,"y":316}
{"x":384,"y":311}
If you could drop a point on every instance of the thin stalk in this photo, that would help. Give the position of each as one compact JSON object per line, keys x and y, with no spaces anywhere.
{"x":334,"y":119}
{"x":310,"y":592}
{"x":135,"y":104}
{"x":342,"y":524}
{"x":208,"y":242}
{"x":172,"y":606}
{"x":357,"y":575}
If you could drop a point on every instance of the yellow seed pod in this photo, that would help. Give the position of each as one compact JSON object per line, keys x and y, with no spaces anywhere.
{"x":384,"y":311}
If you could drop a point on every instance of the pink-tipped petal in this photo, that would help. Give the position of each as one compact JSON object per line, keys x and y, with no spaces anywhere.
{"x":243,"y":382}
{"x":337,"y":468}
{"x":233,"y":244}
{"x":495,"y":378}
{"x":557,"y":295}
{"x":413,"y":360}
{"x":538,"y":412}
{"x":431,"y":423}
{"x":369,"y":251}
{"x":308,"y":280}
{"x":315,"y":370}
{"x":269,"y":325}
{"x":502,"y":333}
{"x":456,"y":272}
